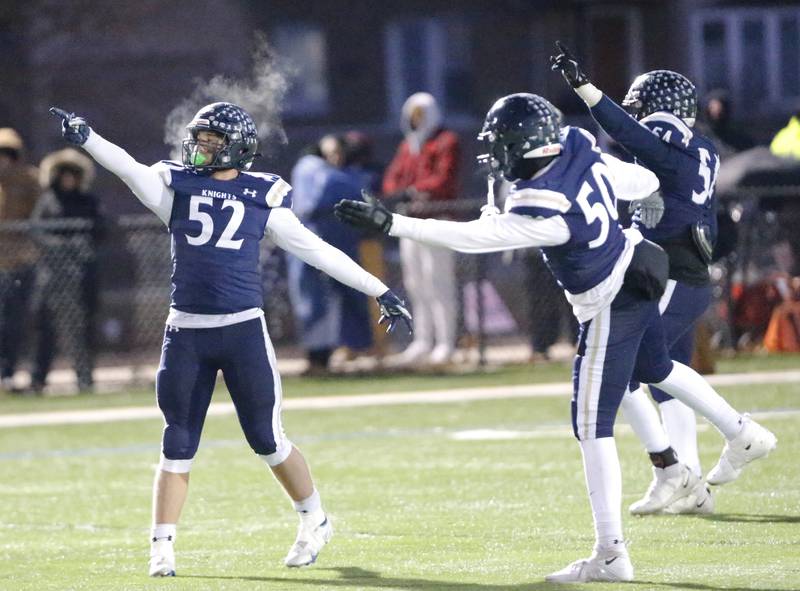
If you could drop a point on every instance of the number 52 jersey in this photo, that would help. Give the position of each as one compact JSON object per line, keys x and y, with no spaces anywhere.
{"x":216,"y":227}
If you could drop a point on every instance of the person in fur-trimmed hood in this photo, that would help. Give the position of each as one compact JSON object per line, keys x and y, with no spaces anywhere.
{"x":18,"y":192}
{"x":66,"y":278}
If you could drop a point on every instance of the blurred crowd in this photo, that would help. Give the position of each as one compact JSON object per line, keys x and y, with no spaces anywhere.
{"x":51,"y":224}
{"x":48,"y":280}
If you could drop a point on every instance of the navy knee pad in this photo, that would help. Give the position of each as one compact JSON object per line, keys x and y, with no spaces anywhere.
{"x":179,"y":443}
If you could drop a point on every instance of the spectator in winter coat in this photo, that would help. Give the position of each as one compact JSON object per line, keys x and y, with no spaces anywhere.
{"x":19,"y":188}
{"x":329,"y":314}
{"x":66,"y":278}
{"x":425,"y":170}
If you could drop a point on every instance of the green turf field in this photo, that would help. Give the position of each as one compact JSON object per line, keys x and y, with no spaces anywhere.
{"x":421,"y":496}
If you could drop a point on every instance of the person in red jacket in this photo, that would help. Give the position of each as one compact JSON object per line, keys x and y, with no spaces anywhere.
{"x":425,"y":169}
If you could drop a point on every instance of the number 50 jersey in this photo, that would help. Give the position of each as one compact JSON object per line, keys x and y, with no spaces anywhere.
{"x":576,"y":187}
{"x":216,"y":227}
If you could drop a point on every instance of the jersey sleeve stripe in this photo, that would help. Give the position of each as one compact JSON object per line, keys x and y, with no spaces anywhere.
{"x":277,"y":192}
{"x":670,"y":119}
{"x":542,"y":198}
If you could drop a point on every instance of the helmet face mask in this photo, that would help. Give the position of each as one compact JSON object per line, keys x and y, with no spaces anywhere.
{"x":237,"y":132}
{"x":661,"y":90}
{"x":519,"y":129}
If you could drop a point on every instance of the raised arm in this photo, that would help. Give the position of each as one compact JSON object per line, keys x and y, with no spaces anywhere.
{"x":146,"y":182}
{"x":654,"y":153}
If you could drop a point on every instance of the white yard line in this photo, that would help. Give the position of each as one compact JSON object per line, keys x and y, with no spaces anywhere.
{"x":130,"y":413}
{"x":557,"y":431}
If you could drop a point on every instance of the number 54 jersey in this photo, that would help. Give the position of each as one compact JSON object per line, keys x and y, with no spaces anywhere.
{"x":216,"y":227}
{"x":687,"y":173}
{"x":686,"y":165}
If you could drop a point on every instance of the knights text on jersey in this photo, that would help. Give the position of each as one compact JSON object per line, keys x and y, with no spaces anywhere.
{"x":216,"y":227}
{"x":575,"y":186}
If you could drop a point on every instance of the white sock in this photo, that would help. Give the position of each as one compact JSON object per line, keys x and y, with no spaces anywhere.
{"x":643,"y":418}
{"x":163,"y":531}
{"x":689,"y":387}
{"x":604,"y":483}
{"x":681,"y":426}
{"x":310,"y":508}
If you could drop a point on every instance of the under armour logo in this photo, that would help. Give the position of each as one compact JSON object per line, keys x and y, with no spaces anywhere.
{"x":250,"y":192}
{"x":171,"y":328}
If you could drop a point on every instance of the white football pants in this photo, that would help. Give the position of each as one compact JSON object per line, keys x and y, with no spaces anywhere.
{"x":429,"y":279}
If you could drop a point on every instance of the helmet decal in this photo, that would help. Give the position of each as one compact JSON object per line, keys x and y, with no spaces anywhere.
{"x":518,"y":127}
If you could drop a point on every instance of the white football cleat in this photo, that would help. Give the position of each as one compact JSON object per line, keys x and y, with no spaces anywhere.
{"x":602,"y":565}
{"x":752,"y":442}
{"x":308,"y":544}
{"x":668,"y":485}
{"x":699,"y":502}
{"x":162,"y":558}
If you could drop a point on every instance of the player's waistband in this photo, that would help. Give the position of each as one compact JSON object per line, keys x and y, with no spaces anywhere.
{"x":188,"y":320}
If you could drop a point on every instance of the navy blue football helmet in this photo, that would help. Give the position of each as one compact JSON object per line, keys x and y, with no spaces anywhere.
{"x":518,"y":128}
{"x":240,"y":139}
{"x":661,"y":90}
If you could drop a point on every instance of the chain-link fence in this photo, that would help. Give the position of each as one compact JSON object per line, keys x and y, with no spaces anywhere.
{"x":80,"y":296}
{"x":761,"y":244}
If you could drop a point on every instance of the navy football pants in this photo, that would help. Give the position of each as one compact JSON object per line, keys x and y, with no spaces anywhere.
{"x":190,"y":360}
{"x":624,"y":341}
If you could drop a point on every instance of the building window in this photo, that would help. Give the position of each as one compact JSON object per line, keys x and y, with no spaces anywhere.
{"x":302,"y":46}
{"x":715,"y":61}
{"x":789,"y":56}
{"x":753,"y":53}
{"x":614,"y":46}
{"x":431,"y":55}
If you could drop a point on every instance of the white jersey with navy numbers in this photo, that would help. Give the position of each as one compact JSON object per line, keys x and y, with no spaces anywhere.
{"x":568,"y":210}
{"x":216,"y":227}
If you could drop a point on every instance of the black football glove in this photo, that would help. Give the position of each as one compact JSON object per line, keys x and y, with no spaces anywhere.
{"x":650,"y":210}
{"x":566,"y":63}
{"x":393,"y":310}
{"x":371,"y":215}
{"x":74,"y":129}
